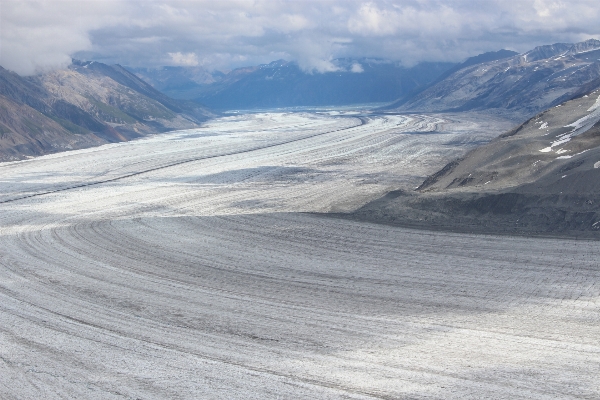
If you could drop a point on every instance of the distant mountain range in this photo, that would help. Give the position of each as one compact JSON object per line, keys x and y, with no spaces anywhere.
{"x":284,"y":84}
{"x":87,"y":104}
{"x":517,"y":85}
{"x":91,"y":103}
{"x":520,"y":84}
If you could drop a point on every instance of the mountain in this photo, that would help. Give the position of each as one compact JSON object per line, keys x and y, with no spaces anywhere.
{"x":30,"y":126}
{"x":115,"y":97}
{"x":87,"y":104}
{"x":560,"y":139}
{"x":24,"y":131}
{"x":522,"y":84}
{"x":542,"y":177}
{"x":179,"y":82}
{"x":481,"y":58}
{"x":285,"y":84}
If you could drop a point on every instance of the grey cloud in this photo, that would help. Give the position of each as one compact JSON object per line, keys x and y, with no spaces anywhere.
{"x":37,"y":35}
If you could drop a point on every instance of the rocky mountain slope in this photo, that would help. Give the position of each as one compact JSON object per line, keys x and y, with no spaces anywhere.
{"x":84,"y":105}
{"x":481,"y":58}
{"x":543,"y":177}
{"x":522,"y":85}
{"x":284,"y":84}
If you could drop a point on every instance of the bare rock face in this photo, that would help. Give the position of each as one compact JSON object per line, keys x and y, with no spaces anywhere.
{"x":523,"y":84}
{"x":84,"y":105}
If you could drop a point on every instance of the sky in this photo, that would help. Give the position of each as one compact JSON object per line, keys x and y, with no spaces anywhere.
{"x":36,"y":36}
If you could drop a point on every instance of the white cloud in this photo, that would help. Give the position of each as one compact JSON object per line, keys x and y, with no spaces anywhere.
{"x":184,"y":59}
{"x":545,"y":9}
{"x":37,"y":35}
{"x":357,"y":68}
{"x":370,"y":20}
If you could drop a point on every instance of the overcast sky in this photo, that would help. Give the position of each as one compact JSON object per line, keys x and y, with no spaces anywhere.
{"x":222,"y":34}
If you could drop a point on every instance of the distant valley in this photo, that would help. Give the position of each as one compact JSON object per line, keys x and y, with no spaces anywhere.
{"x":285,"y":84}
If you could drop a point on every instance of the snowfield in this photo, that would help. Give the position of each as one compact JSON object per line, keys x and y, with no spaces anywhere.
{"x":195,"y":265}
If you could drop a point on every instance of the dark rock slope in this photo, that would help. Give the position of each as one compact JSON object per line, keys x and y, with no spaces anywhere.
{"x":542,"y":178}
{"x":84,"y":105}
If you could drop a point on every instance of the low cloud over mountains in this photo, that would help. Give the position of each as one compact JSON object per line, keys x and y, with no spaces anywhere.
{"x":37,"y":36}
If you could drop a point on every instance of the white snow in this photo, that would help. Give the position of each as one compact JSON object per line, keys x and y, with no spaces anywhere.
{"x":588,"y":51}
{"x":580,"y":126}
{"x":596,"y":104}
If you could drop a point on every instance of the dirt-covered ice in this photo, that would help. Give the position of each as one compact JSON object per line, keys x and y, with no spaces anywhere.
{"x":186,"y":266}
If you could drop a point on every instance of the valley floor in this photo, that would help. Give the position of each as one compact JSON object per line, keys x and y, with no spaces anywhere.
{"x":192,"y":265}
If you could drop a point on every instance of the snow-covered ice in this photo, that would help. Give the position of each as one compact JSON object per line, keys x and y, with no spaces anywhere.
{"x":186,"y":266}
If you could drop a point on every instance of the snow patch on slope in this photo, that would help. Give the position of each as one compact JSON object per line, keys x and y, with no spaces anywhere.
{"x":580,"y":126}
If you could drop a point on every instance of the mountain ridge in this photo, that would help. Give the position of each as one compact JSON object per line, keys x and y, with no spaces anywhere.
{"x":523,"y":84}
{"x":478,"y":59}
{"x":86,"y":104}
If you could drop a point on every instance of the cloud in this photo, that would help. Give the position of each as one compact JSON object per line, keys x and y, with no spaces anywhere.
{"x":185,"y":59}
{"x":371,"y":20}
{"x":357,"y":68}
{"x":38,"y":35}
